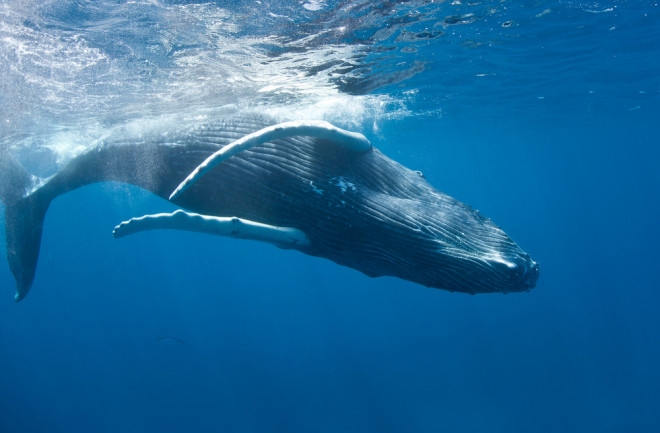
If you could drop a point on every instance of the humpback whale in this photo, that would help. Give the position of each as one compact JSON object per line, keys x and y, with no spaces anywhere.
{"x":303,"y":185}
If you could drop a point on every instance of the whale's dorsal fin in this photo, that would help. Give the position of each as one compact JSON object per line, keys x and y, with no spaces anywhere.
{"x":311,"y":128}
{"x":283,"y":237}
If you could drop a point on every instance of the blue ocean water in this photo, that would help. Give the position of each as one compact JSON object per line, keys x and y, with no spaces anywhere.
{"x":542,"y":115}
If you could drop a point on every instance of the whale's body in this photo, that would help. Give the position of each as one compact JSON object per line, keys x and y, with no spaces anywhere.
{"x":358,"y":209}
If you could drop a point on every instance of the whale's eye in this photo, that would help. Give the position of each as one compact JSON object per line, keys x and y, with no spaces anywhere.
{"x":420,"y":174}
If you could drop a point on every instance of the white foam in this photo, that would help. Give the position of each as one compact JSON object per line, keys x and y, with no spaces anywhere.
{"x":314,"y":5}
{"x":348,"y":111}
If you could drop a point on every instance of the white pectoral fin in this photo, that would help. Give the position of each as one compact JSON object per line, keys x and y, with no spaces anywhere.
{"x":283,"y":237}
{"x":352,"y":141}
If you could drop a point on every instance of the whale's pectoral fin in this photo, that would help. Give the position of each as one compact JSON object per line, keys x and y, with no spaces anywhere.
{"x":283,"y":237}
{"x":353,"y":141}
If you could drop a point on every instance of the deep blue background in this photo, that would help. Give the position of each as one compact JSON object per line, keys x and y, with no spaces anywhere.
{"x":172,"y":332}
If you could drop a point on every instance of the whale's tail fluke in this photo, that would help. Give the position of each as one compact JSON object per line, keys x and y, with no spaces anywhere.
{"x":25,"y":209}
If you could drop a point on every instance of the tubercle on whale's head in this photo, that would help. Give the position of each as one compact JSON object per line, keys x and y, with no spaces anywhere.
{"x":527,"y":274}
{"x":518,"y":273}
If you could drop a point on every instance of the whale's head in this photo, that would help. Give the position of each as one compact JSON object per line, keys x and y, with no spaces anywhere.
{"x":469,"y":253}
{"x":399,"y":225}
{"x":448,"y":245}
{"x":439,"y":242}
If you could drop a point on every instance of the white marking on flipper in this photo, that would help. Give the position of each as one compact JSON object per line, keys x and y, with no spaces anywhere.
{"x":311,"y":128}
{"x":283,"y":237}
